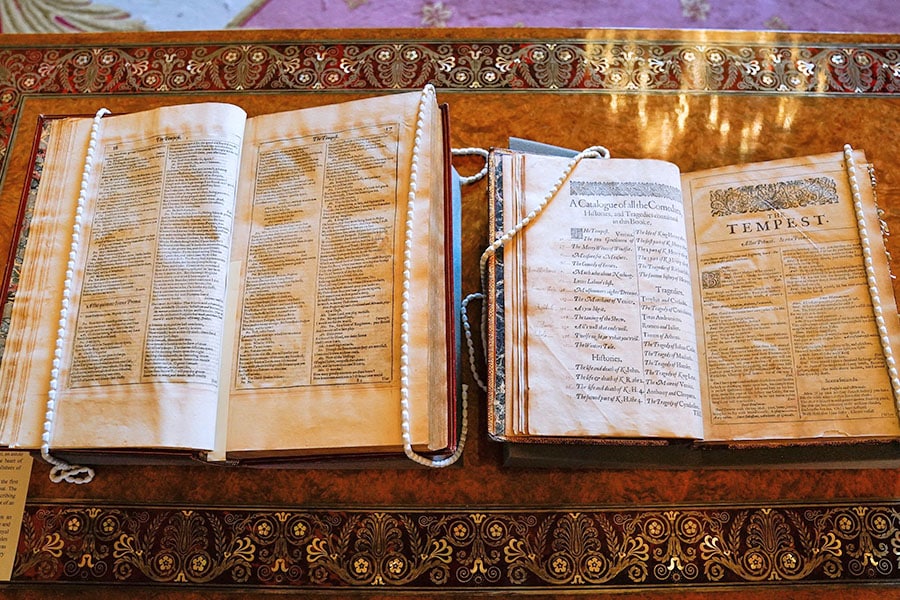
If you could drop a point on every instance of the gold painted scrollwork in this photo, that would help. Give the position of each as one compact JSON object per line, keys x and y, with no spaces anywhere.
{"x":377,"y":549}
{"x":870,"y":539}
{"x":769,"y":545}
{"x":579,"y":549}
{"x":176,"y":548}
{"x":584,"y":549}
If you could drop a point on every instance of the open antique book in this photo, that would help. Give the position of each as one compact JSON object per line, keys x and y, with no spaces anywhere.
{"x":235,"y":286}
{"x":750,"y":304}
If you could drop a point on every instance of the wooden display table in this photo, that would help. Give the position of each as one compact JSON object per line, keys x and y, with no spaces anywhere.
{"x":699,"y":99}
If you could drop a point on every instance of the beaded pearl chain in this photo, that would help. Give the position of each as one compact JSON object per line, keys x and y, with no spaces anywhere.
{"x":870,"y":273}
{"x":467,"y":331}
{"x":465,"y":180}
{"x":591,"y":152}
{"x":63,"y":471}
{"x":427,"y":94}
{"x":464,"y":306}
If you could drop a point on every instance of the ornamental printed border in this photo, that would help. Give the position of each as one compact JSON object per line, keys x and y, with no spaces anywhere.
{"x":780,"y":195}
{"x":580,"y":549}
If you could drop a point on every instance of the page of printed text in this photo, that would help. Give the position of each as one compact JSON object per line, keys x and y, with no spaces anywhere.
{"x":788,"y":338}
{"x":315,"y":361}
{"x":142,"y":355}
{"x":608,"y":333}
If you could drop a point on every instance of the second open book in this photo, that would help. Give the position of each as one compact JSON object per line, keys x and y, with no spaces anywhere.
{"x":742,"y":303}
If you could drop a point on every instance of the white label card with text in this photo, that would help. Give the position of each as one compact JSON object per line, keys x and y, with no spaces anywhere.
{"x":15,"y":471}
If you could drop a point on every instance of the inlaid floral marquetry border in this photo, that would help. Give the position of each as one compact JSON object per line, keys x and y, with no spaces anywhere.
{"x":587,"y":65}
{"x":451,"y":549}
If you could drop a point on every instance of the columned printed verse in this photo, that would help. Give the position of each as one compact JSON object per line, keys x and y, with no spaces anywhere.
{"x":317,"y":305}
{"x":789,"y":333}
{"x":152,"y":298}
{"x":609,"y":331}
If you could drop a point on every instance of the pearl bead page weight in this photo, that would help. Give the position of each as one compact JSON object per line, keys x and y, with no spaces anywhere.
{"x":890,"y":360}
{"x":61,"y":470}
{"x":591,"y":152}
{"x":428,"y":93}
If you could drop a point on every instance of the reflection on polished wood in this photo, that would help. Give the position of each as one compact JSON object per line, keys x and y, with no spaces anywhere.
{"x":699,"y":99}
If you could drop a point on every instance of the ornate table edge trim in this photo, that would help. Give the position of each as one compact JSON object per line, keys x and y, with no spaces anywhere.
{"x":461,"y":548}
{"x":620,"y":65}
{"x":844,"y":66}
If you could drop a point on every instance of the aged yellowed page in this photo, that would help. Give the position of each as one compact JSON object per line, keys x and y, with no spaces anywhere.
{"x":598,"y":301}
{"x":788,"y":340}
{"x":140,"y":363}
{"x":320,"y":238}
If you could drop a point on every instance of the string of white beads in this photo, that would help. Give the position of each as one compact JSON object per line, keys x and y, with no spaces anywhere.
{"x":427,"y":95}
{"x":62,"y":471}
{"x":465,"y":180}
{"x":467,"y":330}
{"x":591,"y":152}
{"x":870,"y":273}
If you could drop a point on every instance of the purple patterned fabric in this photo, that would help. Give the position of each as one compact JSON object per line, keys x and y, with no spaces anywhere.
{"x":879,"y":16}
